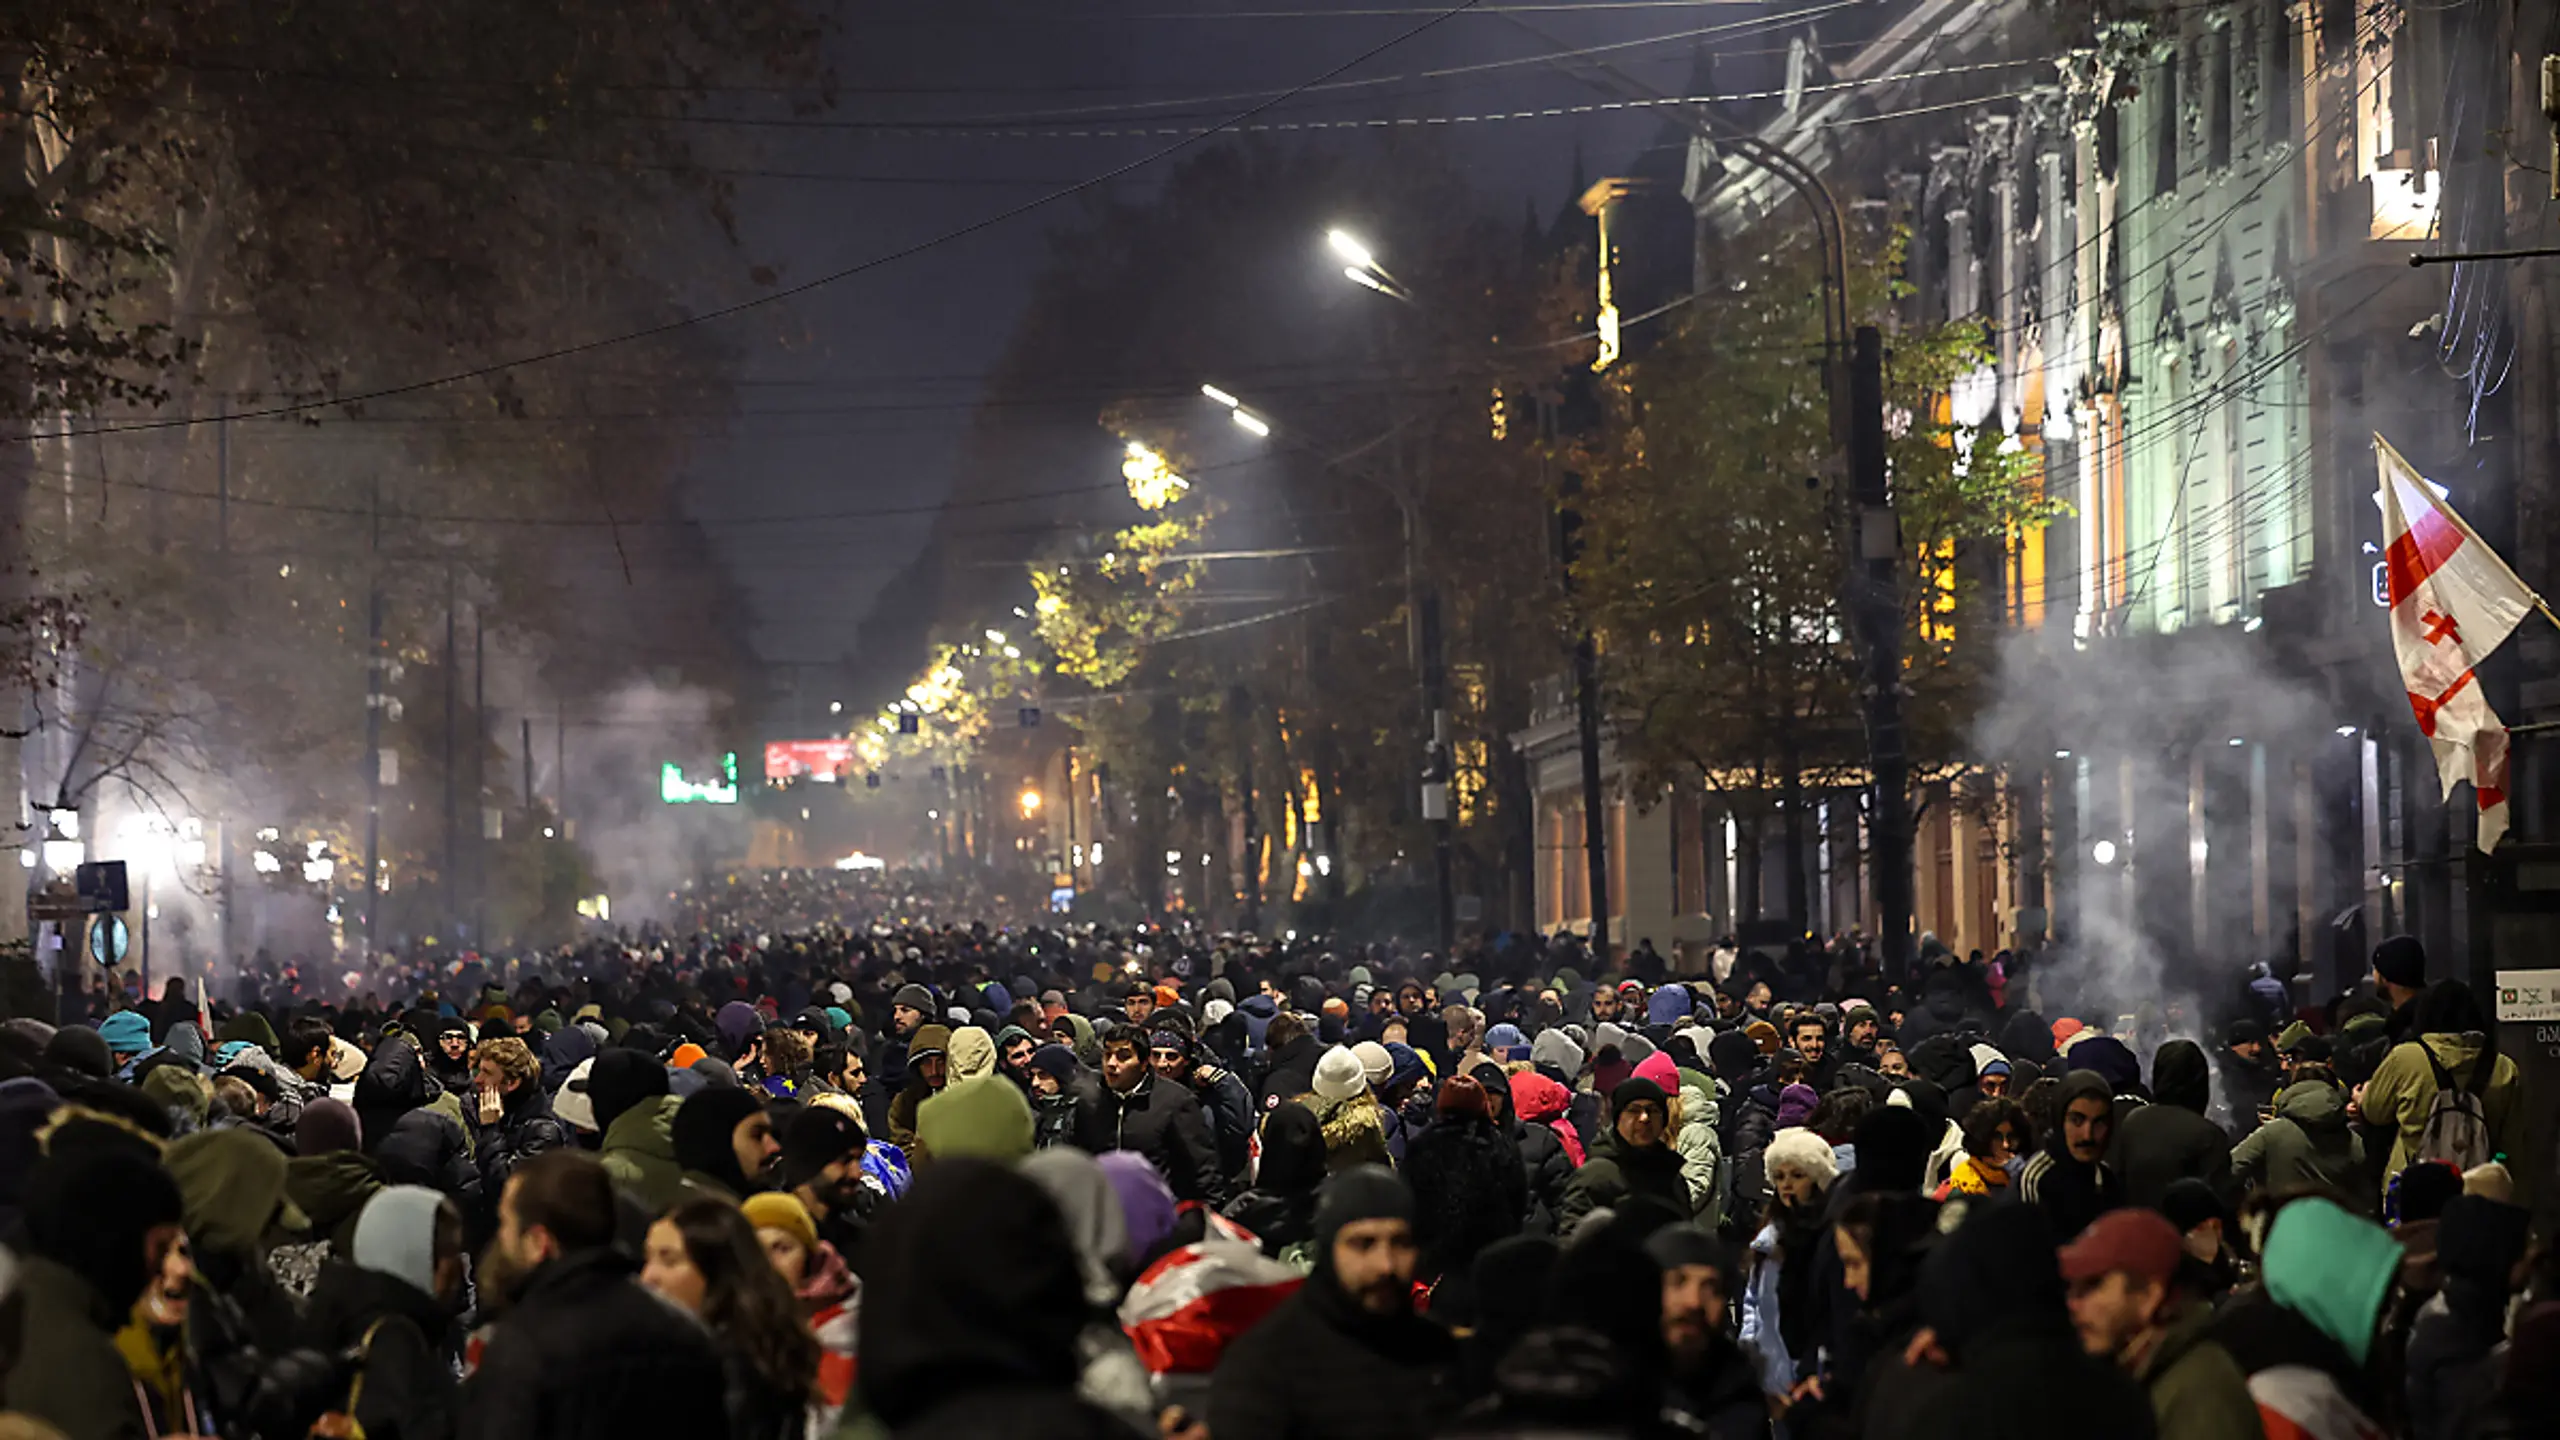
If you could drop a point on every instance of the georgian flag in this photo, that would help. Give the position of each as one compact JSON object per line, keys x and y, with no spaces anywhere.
{"x":2453,"y":601}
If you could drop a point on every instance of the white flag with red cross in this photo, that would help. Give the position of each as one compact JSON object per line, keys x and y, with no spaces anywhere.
{"x":2453,"y":601}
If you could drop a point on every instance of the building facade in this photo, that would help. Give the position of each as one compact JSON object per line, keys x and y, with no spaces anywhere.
{"x":2187,"y":228}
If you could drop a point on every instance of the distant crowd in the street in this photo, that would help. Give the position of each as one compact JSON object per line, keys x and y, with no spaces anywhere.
{"x":877,"y":1178}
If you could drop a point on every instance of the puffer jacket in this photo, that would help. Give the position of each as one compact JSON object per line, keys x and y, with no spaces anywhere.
{"x":1754,"y":1125}
{"x":1694,"y":1121}
{"x":2309,"y":1144}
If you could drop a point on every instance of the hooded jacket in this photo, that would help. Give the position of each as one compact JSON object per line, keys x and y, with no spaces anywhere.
{"x":1468,"y":1191}
{"x":2403,"y":1089}
{"x":409,"y":1387}
{"x":1280,"y":1208}
{"x":1696,"y":1132}
{"x":1292,"y":1072}
{"x":973,"y":1310}
{"x":2308,"y":1145}
{"x":2171,"y":1139}
{"x":2071,"y":1193}
{"x":639,"y":1152}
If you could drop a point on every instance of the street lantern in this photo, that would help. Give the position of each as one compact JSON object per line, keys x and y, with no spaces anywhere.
{"x":1030,"y":802}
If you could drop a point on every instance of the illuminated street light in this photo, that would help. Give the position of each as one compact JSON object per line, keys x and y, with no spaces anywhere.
{"x":1349,"y":248}
{"x":1030,"y":803}
{"x":1221,"y":396}
{"x":1358,"y":276}
{"x":835,"y":707}
{"x":1251,"y":423}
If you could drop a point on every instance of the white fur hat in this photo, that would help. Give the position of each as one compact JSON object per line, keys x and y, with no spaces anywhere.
{"x":1796,"y":1148}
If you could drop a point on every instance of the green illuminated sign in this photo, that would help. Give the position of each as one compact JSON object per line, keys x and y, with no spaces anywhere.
{"x":675,"y":789}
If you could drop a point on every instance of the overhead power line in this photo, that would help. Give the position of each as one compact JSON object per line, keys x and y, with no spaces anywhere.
{"x":834,"y":277}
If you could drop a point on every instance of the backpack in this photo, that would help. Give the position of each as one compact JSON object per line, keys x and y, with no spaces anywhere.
{"x":2457,"y":1128}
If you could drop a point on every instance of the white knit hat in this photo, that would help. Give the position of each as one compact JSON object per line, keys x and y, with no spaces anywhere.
{"x":1796,"y":1148}
{"x":1339,"y":1075}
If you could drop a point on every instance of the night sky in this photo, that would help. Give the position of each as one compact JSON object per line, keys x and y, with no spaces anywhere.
{"x":858,"y":395}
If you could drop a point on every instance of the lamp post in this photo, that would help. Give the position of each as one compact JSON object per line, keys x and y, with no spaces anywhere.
{"x":1423,"y":645}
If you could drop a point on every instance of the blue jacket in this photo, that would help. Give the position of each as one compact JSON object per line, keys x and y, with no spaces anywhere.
{"x":1760,"y":1337}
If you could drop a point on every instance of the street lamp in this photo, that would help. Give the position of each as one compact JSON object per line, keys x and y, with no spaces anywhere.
{"x":1424,"y":646}
{"x":1363,"y":267}
{"x":1246,"y":420}
{"x":1030,"y":802}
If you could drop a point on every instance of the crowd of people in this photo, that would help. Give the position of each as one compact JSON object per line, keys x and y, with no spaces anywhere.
{"x":922,"y":1180}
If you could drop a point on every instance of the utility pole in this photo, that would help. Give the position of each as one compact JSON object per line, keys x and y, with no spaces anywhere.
{"x":373,"y":703}
{"x":1876,"y":595}
{"x":1435,"y":775}
{"x":526,"y":750}
{"x":479,"y":775}
{"x":222,"y":547}
{"x":452,"y":821}
{"x":1240,"y":720}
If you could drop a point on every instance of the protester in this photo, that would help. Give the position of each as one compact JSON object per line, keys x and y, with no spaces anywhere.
{"x":1346,"y":1356}
{"x":2069,"y":1179}
{"x":704,"y":1258}
{"x":2130,"y":1304}
{"x":582,"y":1350}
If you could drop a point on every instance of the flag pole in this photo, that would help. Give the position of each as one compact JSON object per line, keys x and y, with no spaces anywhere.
{"x":2470,"y":534}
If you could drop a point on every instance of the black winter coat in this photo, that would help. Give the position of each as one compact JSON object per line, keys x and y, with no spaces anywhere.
{"x":1291,"y":1073}
{"x":1469,"y":1190}
{"x":425,"y":1147}
{"x":1320,"y":1368}
{"x":1163,"y":1123}
{"x":1616,"y":1170}
{"x":409,"y":1388}
{"x":525,"y":1129}
{"x":1547,"y":1169}
{"x":586,"y":1354}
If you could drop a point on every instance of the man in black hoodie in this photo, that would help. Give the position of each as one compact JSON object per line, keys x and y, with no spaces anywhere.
{"x":1345,"y":1356}
{"x":2069,"y":1179}
{"x":2173,"y":1138}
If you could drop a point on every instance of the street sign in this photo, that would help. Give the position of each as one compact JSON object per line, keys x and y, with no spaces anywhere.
{"x":102,"y":884}
{"x":109,"y":939}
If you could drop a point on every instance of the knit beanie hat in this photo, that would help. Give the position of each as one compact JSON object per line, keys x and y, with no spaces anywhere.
{"x":621,"y":1078}
{"x":1795,"y":1104}
{"x":1363,"y":1192}
{"x":1339,"y":1074}
{"x":79,"y":1048}
{"x":126,"y":1032}
{"x":1636,"y":1090}
{"x":2402,"y":961}
{"x":774,"y":1210}
{"x":817,"y":1138}
{"x":1505,"y":1042}
{"x":702,"y":1129}
{"x":326,"y":1127}
{"x":914,"y":997}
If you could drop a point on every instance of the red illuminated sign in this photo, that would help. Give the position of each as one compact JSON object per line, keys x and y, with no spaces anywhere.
{"x":807,"y":759}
